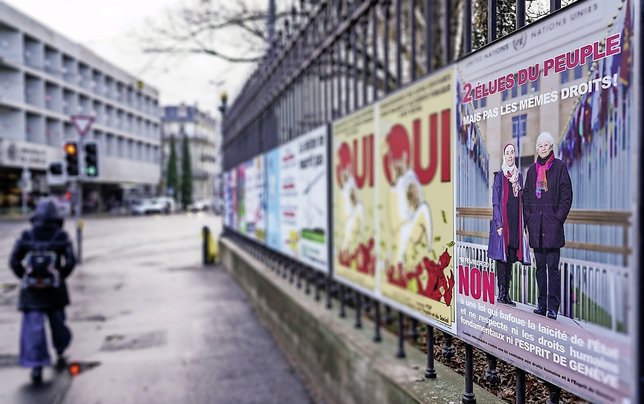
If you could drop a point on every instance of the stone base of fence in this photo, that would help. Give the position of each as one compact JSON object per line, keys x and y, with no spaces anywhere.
{"x":340,"y":364}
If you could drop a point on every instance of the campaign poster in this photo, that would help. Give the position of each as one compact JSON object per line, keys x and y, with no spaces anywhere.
{"x":301,"y":180}
{"x":416,"y":199}
{"x":352,"y":168}
{"x":229,"y":207}
{"x":240,"y":198}
{"x":273,"y":200}
{"x":313,"y":194}
{"x":546,"y":197}
{"x":255,"y":201}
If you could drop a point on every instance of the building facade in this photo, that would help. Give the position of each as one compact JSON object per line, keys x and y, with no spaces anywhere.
{"x":204,"y":140}
{"x":44,"y":80}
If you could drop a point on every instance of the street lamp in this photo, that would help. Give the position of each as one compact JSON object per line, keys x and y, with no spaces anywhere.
{"x":223,"y":97}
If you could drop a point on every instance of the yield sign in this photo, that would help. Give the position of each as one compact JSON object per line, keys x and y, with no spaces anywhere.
{"x":82,"y":123}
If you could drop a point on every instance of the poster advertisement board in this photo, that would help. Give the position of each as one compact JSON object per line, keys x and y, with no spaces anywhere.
{"x":297,"y":199}
{"x":354,"y":253}
{"x":230,"y":201}
{"x":254,"y":219}
{"x":415,"y":183}
{"x":273,"y":199}
{"x":546,"y":245}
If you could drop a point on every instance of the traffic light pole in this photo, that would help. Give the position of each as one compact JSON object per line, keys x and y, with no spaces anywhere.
{"x":79,"y":202}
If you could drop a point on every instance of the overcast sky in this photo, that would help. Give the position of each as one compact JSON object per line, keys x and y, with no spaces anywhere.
{"x":108,"y":29}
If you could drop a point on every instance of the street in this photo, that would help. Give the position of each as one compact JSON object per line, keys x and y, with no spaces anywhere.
{"x":160,"y":327}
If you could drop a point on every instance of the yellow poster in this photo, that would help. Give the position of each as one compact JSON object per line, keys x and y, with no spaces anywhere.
{"x":353,"y":199}
{"x":416,"y":198}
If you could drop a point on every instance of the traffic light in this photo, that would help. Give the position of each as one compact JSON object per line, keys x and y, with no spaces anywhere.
{"x":71,"y":159}
{"x":91,"y":159}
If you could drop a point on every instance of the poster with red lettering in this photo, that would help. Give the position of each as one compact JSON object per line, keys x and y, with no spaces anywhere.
{"x":415,"y":200}
{"x":546,"y":196}
{"x":353,"y":181}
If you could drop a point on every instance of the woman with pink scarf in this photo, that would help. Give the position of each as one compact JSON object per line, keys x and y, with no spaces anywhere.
{"x":547,"y":199}
{"x":507,"y":243}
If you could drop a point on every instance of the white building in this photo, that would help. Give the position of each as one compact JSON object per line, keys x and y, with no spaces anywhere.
{"x":44,"y":79}
{"x":204,"y":140}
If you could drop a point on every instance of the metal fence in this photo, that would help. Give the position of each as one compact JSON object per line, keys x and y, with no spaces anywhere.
{"x":336,"y":56}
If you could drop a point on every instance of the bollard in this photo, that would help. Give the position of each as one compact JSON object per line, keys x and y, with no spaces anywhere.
{"x":343,"y":313}
{"x":207,"y":259}
{"x":79,"y":240}
{"x":448,"y":347}
{"x":413,"y":330}
{"x":555,"y":393}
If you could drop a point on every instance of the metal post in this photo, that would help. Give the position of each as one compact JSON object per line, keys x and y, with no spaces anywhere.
{"x":412,"y":19}
{"x":388,"y":317}
{"x":447,"y":25}
{"x":317,"y":287}
{"x":79,"y":240}
{"x":401,"y":336}
{"x":520,"y":16}
{"x":468,"y":395}
{"x":364,"y":22}
{"x":448,"y":347}
{"x":398,"y":43}
{"x":554,"y":393}
{"x":376,"y":335}
{"x":343,"y":313}
{"x":467,"y":15}
{"x":386,"y":4}
{"x":555,"y":5}
{"x":413,"y":330}
{"x":429,"y":37}
{"x":520,"y":399}
{"x":307,"y":282}
{"x":358,"y":303}
{"x":374,"y":52}
{"x":491,"y":20}
{"x":491,"y":372}
{"x":354,"y":49}
{"x":430,"y":372}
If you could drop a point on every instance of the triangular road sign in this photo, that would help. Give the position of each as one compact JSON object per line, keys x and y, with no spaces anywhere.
{"x":82,"y":123}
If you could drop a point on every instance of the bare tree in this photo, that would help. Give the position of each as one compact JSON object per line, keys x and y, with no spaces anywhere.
{"x":234,"y":31}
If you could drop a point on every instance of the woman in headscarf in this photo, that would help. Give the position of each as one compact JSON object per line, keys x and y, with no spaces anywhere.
{"x":507,"y":243}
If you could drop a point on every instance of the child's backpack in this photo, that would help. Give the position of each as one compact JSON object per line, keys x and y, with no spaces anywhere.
{"x":40,"y":268}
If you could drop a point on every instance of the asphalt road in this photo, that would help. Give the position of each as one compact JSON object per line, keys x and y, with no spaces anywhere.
{"x":161,"y":328}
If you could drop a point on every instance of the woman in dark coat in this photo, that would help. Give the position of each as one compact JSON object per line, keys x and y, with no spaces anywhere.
{"x":546,"y":204}
{"x":507,"y":244}
{"x":43,"y":296}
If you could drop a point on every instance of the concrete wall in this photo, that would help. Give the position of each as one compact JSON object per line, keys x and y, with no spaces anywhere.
{"x":341,"y":364}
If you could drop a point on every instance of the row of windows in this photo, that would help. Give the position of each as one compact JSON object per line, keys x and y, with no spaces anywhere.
{"x":33,"y":53}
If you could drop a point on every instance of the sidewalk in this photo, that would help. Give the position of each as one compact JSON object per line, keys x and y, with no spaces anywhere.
{"x":163,"y":328}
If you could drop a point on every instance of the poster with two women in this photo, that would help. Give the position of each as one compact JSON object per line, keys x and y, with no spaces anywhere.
{"x":546,"y":196}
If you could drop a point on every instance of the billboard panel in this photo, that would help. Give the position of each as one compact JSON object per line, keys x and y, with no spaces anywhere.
{"x":546,"y":195}
{"x":297,"y":199}
{"x":354,"y":259}
{"x":254,"y":217}
{"x":230,"y":200}
{"x":273,"y":200}
{"x":416,"y":199}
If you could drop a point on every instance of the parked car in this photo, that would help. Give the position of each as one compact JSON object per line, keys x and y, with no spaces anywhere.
{"x":200,"y":206}
{"x":147,"y":206}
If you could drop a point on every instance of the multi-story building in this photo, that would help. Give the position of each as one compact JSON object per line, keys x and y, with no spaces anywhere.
{"x":45,"y":79}
{"x":204,"y":140}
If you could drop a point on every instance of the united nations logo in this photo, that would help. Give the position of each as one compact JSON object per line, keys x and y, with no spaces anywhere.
{"x":520,"y":41}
